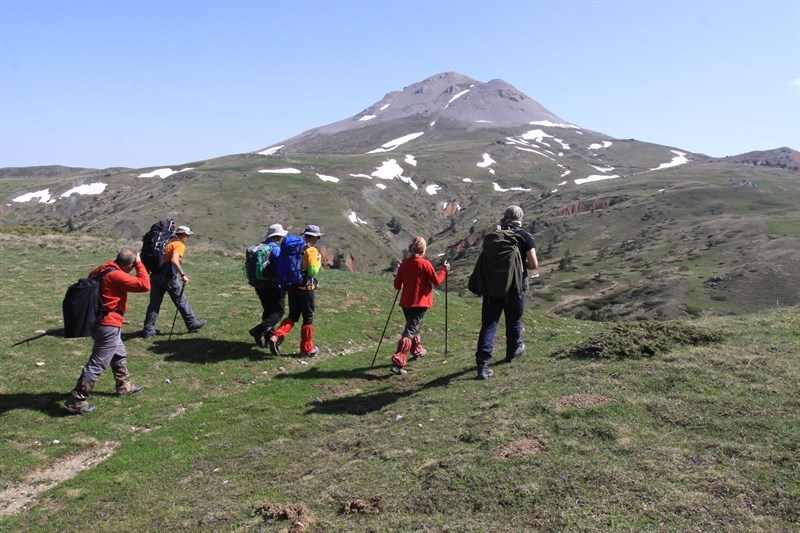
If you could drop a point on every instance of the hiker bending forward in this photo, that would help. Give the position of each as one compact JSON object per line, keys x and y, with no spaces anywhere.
{"x":501,"y":278}
{"x":302,"y":299}
{"x":171,"y":280}
{"x":416,"y":277}
{"x":108,"y":349}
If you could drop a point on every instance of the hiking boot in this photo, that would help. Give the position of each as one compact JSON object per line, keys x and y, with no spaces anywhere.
{"x":422,"y":352}
{"x":258,"y":335}
{"x":76,"y":401}
{"x":313,"y":353}
{"x":518,"y":352}
{"x":274,"y":344}
{"x":129,"y":388}
{"x":80,"y":408}
{"x":196,"y":325}
{"x":485,"y":373}
{"x":123,"y":382}
{"x":149,"y":334}
{"x":398,"y":370}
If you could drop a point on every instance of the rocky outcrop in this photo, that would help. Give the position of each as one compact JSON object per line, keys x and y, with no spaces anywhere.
{"x":451,"y":209}
{"x":593,"y":205}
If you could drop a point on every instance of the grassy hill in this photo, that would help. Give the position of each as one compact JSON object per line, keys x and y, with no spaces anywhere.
{"x":599,"y":427}
{"x":711,"y":237}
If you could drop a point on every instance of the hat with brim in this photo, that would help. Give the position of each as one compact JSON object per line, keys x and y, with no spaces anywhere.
{"x":276,"y":230}
{"x":312,"y":231}
{"x":183,"y":230}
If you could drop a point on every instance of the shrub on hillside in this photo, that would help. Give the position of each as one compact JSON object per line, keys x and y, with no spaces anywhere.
{"x":639,"y":339}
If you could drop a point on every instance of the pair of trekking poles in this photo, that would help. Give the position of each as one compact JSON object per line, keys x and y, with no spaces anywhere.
{"x":390,"y":316}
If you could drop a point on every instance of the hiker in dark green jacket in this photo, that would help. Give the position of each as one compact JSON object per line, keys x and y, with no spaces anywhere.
{"x":501,"y":278}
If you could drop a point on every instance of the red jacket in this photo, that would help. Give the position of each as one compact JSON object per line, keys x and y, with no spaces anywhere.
{"x":114,"y":289}
{"x":416,"y":276}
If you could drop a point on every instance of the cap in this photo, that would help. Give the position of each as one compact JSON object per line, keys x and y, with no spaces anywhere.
{"x":313,"y":231}
{"x":512,"y":213}
{"x":184,"y":229}
{"x":275,"y":230}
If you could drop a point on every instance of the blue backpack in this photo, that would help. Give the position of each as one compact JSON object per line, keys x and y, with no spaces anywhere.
{"x":290,"y":261}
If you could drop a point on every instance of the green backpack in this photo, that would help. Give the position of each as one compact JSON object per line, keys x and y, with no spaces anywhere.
{"x":257,"y":265}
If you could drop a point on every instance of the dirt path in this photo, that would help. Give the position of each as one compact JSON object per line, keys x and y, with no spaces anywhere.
{"x":16,"y":497}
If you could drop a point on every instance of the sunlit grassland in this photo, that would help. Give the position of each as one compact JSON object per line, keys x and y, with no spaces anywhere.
{"x":698,"y":438}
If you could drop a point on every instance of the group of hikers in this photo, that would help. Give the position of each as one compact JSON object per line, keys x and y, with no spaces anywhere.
{"x":500,"y":277}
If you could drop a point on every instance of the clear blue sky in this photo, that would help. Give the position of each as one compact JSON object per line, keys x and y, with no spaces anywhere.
{"x":157,"y":83}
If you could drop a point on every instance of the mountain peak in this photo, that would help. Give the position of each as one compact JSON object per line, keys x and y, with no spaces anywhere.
{"x":445,"y":97}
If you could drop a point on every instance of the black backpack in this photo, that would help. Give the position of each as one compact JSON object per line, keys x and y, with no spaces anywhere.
{"x":82,"y":306}
{"x":153,"y":244}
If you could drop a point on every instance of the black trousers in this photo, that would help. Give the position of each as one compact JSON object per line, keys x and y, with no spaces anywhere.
{"x":273,"y":307}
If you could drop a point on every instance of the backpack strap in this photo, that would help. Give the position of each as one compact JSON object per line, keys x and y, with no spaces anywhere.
{"x":99,"y":278}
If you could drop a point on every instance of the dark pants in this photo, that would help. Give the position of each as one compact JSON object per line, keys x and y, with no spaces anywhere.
{"x":414,"y":316}
{"x":166,"y":283}
{"x":273,"y":308}
{"x":492,"y":308}
{"x":301,"y":303}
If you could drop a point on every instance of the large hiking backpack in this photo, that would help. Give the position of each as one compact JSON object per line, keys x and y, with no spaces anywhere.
{"x":82,"y":306}
{"x":499,"y":270}
{"x":290,"y":261}
{"x":153,"y":244}
{"x":257,"y":267}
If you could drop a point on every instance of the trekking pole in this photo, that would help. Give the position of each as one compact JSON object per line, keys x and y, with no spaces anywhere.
{"x":445,"y":314}
{"x":177,"y":307}
{"x":384,"y":329}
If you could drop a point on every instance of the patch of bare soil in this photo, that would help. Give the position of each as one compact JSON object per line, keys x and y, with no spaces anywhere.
{"x":302,"y":518}
{"x":523,"y":448}
{"x":17,"y":497}
{"x":371,"y":506}
{"x":580,"y":400}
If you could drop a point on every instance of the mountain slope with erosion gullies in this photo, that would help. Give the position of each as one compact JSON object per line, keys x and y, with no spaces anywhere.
{"x":624,"y":228}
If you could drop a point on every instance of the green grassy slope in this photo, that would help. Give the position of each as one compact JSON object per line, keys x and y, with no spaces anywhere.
{"x":693,"y":438}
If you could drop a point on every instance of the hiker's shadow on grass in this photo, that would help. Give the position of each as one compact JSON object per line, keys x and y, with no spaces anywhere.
{"x":200,"y":350}
{"x":49,"y":403}
{"x":314,"y":372}
{"x":364,"y":403}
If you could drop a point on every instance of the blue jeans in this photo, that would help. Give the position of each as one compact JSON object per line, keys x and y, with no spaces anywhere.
{"x":492,"y":308}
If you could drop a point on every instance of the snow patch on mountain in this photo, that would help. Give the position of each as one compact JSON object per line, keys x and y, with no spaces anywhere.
{"x":270,"y":151}
{"x":353,"y":217}
{"x":162,"y":173}
{"x":279,"y":171}
{"x":395,"y":143}
{"x":90,"y":188}
{"x":679,"y":159}
{"x":487,"y":161}
{"x":43,"y":196}
{"x":594,"y":177}
{"x":332,"y":179}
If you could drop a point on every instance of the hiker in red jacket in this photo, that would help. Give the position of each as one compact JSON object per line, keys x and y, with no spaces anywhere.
{"x":108,"y":349}
{"x":416,"y":277}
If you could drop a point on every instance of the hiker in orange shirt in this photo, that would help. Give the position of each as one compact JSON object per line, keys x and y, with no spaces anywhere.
{"x":416,"y":277}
